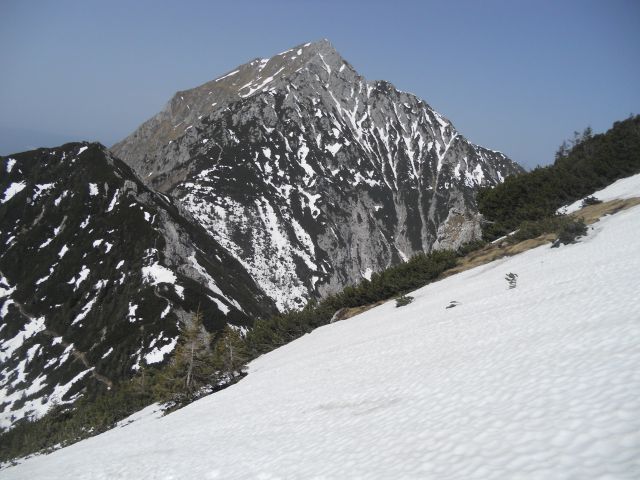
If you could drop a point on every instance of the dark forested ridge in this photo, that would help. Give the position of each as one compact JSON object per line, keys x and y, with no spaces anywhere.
{"x":590,"y":163}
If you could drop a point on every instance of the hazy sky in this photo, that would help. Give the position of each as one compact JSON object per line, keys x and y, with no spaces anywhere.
{"x":511,"y":75}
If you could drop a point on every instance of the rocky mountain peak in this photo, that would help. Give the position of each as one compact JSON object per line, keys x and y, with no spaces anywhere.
{"x":312,"y":176}
{"x":188,"y":107}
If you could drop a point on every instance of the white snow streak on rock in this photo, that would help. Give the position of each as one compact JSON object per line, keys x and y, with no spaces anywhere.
{"x":156,"y":274}
{"x":41,"y":189}
{"x":84,"y":312}
{"x":113,"y":201}
{"x":10,"y":163}
{"x":367,"y":273}
{"x":57,"y":201}
{"x":211,"y":283}
{"x":12,"y":190}
{"x":84,"y":273}
{"x":7,"y":347}
{"x":132,"y":310}
{"x":333,"y":149}
{"x":158,"y":353}
{"x":227,"y":75}
{"x":5,"y":289}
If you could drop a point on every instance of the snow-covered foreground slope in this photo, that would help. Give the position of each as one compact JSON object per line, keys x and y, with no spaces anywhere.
{"x":623,"y":188}
{"x":540,"y":381}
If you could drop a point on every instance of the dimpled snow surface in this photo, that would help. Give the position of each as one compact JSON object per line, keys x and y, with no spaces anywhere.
{"x":538,"y":381}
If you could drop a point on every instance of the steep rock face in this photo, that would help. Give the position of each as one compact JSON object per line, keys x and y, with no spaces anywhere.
{"x":97,"y":272}
{"x":311,"y":176}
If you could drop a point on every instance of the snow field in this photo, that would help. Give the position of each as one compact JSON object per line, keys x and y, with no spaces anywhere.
{"x":536,"y":382}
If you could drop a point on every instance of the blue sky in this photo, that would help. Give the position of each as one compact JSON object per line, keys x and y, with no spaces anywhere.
{"x":511,"y":75}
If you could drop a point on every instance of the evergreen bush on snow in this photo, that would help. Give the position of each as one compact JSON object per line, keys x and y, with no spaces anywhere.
{"x":403,"y":300}
{"x":570,"y":232}
{"x":590,"y":200}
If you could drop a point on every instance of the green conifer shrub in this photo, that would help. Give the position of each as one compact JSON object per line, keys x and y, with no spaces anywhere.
{"x":590,"y":200}
{"x":403,"y":300}
{"x":571,"y":232}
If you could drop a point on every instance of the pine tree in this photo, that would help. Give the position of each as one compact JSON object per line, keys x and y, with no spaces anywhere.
{"x":192,"y":366}
{"x":230,"y":354}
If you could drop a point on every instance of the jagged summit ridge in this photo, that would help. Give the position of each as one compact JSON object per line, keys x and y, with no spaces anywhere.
{"x":254,"y":76}
{"x":187,"y":107}
{"x":311,"y":176}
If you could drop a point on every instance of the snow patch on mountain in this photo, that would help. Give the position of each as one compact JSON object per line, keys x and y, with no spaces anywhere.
{"x":10,"y":164}
{"x":29,"y":329}
{"x":156,"y":274}
{"x":158,"y":354}
{"x":41,"y":189}
{"x":84,"y":311}
{"x":272,"y":263}
{"x":211,"y":284}
{"x":13,"y":189}
{"x":113,"y":201}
